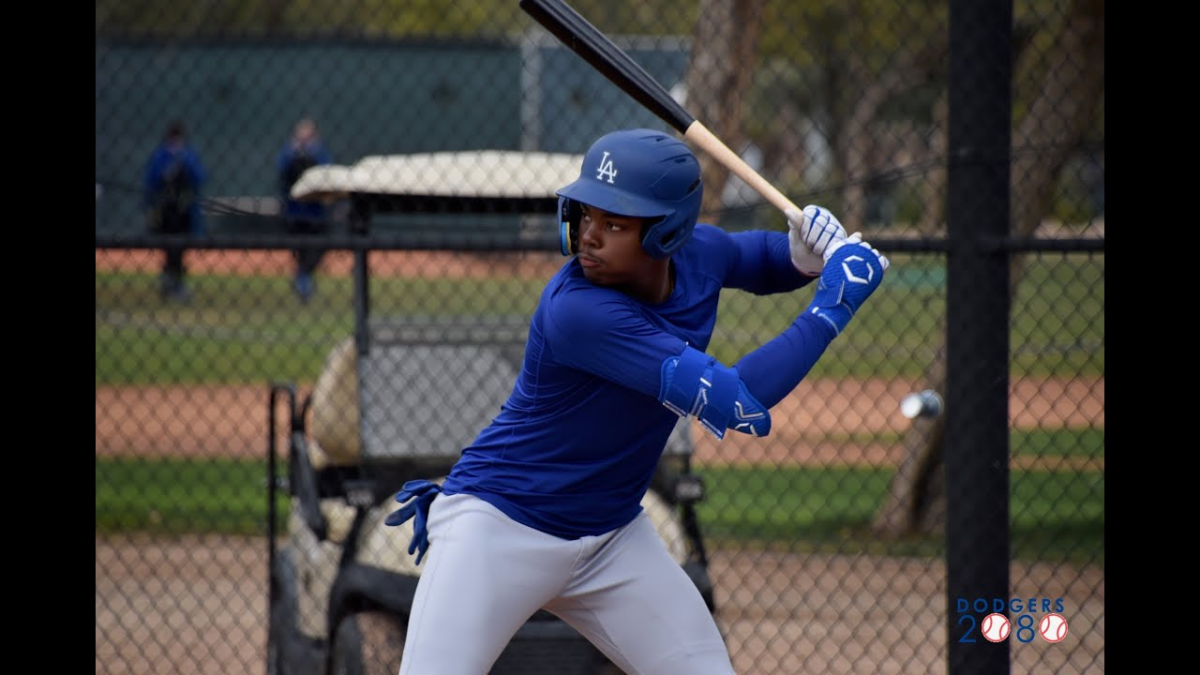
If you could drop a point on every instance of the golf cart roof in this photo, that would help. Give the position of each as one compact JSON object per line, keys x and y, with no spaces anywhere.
{"x":477,"y":175}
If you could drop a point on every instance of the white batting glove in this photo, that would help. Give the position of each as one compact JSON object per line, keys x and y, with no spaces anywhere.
{"x":856,"y":238}
{"x":809,"y":235}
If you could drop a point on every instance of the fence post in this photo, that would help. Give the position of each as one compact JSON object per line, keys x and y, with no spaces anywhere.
{"x":977,"y":308}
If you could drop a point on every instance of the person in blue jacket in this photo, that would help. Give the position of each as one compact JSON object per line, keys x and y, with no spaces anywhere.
{"x":543,"y":509}
{"x":303,"y":150}
{"x":172,"y":182}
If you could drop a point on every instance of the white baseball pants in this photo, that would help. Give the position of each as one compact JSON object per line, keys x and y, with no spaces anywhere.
{"x":485,"y":575}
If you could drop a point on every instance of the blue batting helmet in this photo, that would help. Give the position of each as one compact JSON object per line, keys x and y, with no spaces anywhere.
{"x":639,"y":173}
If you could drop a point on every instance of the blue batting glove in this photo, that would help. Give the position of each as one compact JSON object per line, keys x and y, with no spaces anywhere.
{"x":853,"y":270}
{"x":422,"y":494}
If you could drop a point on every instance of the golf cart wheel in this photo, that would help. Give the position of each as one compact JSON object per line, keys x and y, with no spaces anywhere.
{"x":368,"y":643}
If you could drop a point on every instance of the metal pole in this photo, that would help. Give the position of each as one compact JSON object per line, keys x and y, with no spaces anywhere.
{"x":977,"y":326}
{"x":360,"y":224}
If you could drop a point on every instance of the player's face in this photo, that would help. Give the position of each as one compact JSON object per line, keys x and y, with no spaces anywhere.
{"x":610,"y":248}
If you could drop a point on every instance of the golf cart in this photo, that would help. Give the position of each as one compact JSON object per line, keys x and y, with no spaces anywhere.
{"x":398,"y":400}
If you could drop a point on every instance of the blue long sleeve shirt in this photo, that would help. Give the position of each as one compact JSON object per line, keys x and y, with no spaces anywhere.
{"x":317,"y":154}
{"x":160,"y":161}
{"x":574,"y":447}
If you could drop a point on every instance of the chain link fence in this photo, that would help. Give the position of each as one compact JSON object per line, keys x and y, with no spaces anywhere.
{"x":238,"y":445}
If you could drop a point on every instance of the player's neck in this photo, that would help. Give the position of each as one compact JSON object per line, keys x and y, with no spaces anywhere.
{"x":657,"y":285}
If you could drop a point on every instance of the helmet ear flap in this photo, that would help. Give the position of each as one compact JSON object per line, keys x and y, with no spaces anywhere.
{"x":569,"y":215}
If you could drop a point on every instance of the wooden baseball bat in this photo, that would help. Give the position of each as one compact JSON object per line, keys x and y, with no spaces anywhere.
{"x":586,"y":40}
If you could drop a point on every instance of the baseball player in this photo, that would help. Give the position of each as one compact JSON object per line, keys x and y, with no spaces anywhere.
{"x":543,"y":509}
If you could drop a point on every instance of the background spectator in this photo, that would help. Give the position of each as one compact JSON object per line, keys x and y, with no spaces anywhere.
{"x":173,"y":180}
{"x":302,"y":151}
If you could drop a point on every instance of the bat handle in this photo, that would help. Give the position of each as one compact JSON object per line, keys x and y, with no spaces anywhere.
{"x":698,"y":134}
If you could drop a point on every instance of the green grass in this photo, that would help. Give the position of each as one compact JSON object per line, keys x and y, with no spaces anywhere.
{"x":1056,"y":321}
{"x":248,"y":329}
{"x":240,"y":329}
{"x":1085,"y":443}
{"x":1055,"y":515}
{"x":170,"y":496}
{"x":1064,"y":443}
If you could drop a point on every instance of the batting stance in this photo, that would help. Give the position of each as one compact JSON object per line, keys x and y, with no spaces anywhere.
{"x":543,"y":509}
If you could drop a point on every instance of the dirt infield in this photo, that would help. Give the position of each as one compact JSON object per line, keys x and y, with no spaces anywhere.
{"x":199,"y":605}
{"x":399,"y":264}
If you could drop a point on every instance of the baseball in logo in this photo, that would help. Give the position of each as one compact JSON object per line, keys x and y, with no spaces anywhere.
{"x":1053,"y":627}
{"x":995,"y":627}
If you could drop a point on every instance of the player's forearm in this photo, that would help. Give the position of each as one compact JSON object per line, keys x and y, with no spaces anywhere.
{"x":773,"y":370}
{"x":765,"y":264}
{"x":853,"y":270}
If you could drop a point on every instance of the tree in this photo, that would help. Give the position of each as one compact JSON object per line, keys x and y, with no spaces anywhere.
{"x":717,"y":81}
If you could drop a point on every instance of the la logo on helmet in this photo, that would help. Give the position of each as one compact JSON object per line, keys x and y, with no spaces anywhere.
{"x":606,"y":169}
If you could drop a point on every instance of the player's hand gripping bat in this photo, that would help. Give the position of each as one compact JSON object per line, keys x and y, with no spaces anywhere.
{"x":584,"y":39}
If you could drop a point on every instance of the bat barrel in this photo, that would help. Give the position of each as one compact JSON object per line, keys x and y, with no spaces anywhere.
{"x":576,"y":33}
{"x":587,"y":41}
